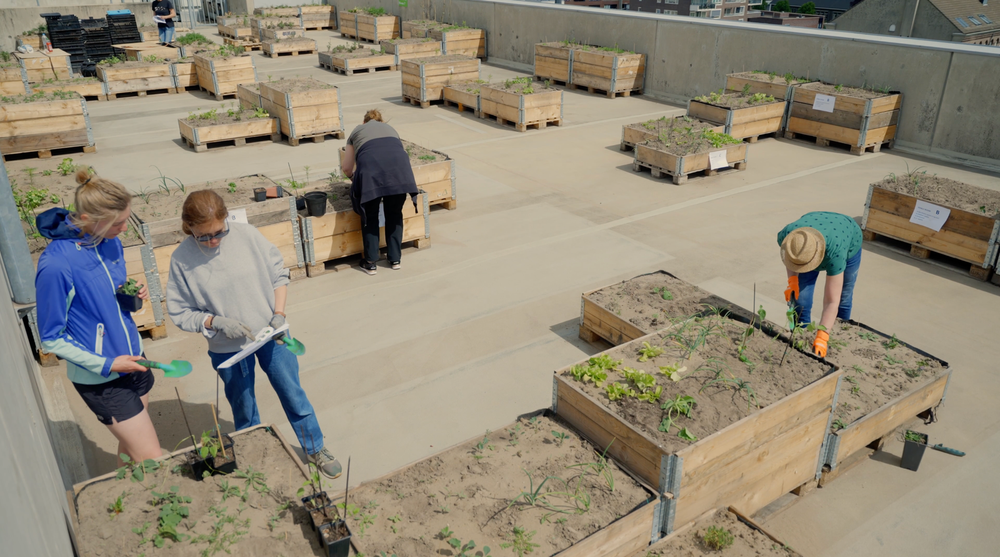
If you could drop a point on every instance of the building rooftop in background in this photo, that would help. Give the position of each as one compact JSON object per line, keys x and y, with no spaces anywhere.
{"x":788,"y":19}
{"x":968,"y":21}
{"x":829,"y":9}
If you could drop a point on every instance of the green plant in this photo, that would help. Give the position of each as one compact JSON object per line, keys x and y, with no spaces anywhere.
{"x":589,"y":373}
{"x":259,"y":112}
{"x":758,"y":98}
{"x":838,"y":87}
{"x":839,"y":424}
{"x":738,"y":385}
{"x":560,"y":437}
{"x":462,"y":549}
{"x":868,"y":336}
{"x":228,"y":490}
{"x":172,"y":511}
{"x":231,"y":187}
{"x":314,"y":482}
{"x":673,"y":371}
{"x":520,"y":541}
{"x":617,"y":391}
{"x":209,"y":445}
{"x":892,"y":361}
{"x":717,"y":538}
{"x":66,"y":167}
{"x":914,"y":437}
{"x":663,"y":292}
{"x":136,"y":470}
{"x":649,"y":351}
{"x":130,"y":288}
{"x":255,"y":480}
{"x":427,"y":157}
{"x":118,"y":506}
{"x":719,"y":139}
{"x":676,"y":407}
{"x":891,"y":343}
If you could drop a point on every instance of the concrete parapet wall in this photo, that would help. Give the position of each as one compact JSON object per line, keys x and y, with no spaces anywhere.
{"x":949,"y":108}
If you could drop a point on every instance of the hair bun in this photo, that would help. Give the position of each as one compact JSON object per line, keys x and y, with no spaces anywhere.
{"x":83,"y":176}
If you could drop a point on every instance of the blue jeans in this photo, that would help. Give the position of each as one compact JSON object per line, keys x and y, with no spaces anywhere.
{"x":282,"y":369}
{"x":166,"y":36}
{"x":807,"y":283}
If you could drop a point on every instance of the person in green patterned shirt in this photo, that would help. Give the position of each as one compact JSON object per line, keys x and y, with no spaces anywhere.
{"x":828,"y":242}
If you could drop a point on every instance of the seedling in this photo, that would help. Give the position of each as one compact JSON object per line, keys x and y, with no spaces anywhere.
{"x":673,"y":371}
{"x":914,"y":437}
{"x":231,"y":187}
{"x":480,"y":450}
{"x":738,"y":385}
{"x":868,"y":336}
{"x":130,"y":288}
{"x":163,"y":179}
{"x":314,"y":482}
{"x":649,"y":351}
{"x":839,"y":424}
{"x":172,"y":512}
{"x":605,"y":362}
{"x":600,"y":467}
{"x":838,"y":87}
{"x":66,"y":167}
{"x":589,"y":373}
{"x":228,"y":490}
{"x":891,"y":360}
{"x":858,"y":369}
{"x":617,"y":391}
{"x":560,"y":437}
{"x":891,"y":343}
{"x":520,"y":541}
{"x":255,"y":480}
{"x":136,"y":470}
{"x":118,"y":506}
{"x":676,"y":407}
{"x":643,"y":381}
{"x":717,"y":538}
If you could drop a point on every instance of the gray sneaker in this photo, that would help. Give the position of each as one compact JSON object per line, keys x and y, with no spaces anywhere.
{"x":327,"y":463}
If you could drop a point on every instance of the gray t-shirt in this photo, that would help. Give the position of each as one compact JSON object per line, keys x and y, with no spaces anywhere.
{"x":367,"y":132}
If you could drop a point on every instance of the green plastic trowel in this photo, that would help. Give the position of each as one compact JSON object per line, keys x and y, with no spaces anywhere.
{"x":294,"y":346}
{"x":176,"y":368}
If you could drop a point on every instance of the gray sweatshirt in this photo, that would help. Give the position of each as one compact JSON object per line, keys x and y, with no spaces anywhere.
{"x":235,"y":280}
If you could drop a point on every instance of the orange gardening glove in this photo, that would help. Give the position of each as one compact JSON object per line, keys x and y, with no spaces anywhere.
{"x":793,"y":288}
{"x":819,"y":345}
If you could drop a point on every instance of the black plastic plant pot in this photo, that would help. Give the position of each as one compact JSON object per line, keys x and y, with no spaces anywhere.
{"x":320,"y":509}
{"x":336,"y":539}
{"x":217,"y":465}
{"x":913,"y":452}
{"x":316,"y":203}
{"x":260,"y":194}
{"x":129,"y":304}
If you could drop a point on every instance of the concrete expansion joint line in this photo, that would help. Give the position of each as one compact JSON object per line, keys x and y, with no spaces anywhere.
{"x":318,"y":302}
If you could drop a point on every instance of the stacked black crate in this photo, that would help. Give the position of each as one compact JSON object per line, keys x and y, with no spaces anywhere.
{"x":67,"y":35}
{"x":97,"y":40}
{"x":123,"y":29}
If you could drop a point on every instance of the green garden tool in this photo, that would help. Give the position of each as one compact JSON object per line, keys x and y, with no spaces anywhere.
{"x":176,"y":368}
{"x":294,"y":346}
{"x":950,"y":451}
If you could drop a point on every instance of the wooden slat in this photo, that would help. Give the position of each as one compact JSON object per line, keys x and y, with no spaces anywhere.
{"x":44,"y":141}
{"x":625,"y":331}
{"x":55,"y":124}
{"x":760,"y":127}
{"x":621,"y":538}
{"x":777,"y":88}
{"x":221,"y":132}
{"x":844,"y":119}
{"x":946,"y":242}
{"x":824,"y":131}
{"x":39,"y":110}
{"x":140,"y":84}
{"x":975,"y":226}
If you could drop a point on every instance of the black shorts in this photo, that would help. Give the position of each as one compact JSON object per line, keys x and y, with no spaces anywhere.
{"x":118,"y":399}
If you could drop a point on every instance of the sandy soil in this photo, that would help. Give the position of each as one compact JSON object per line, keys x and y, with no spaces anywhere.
{"x":475,"y":492}
{"x":41,"y":96}
{"x":222,"y":116}
{"x":943,"y":191}
{"x":680,"y":136}
{"x":769,"y":78}
{"x":103,"y":534}
{"x":641,"y":302}
{"x":735,"y":100}
{"x":747,"y":542}
{"x":420,"y":155}
{"x":298,"y":85}
{"x":846,"y":91}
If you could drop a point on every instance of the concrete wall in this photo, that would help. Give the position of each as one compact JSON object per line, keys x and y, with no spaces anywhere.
{"x":688,"y":57}
{"x":33,"y":515}
{"x":14,"y":21}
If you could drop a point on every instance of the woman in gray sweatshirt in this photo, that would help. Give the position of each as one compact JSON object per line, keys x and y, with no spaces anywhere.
{"x":228,"y":282}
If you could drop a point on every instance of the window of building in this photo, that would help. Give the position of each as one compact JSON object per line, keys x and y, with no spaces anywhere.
{"x":672,"y":1}
{"x":657,"y":11}
{"x":962,"y":22}
{"x":669,"y":12}
{"x":734,"y":11}
{"x":659,"y":1}
{"x":735,"y":1}
{"x":985,"y":19}
{"x":975,"y":21}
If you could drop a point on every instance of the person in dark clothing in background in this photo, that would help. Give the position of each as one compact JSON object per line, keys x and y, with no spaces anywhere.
{"x":380,"y":172}
{"x":164,"y":9}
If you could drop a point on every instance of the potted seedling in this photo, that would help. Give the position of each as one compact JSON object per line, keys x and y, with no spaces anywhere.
{"x":128,"y":296}
{"x":335,"y":537}
{"x":318,"y":503}
{"x":260,"y":194}
{"x":914,"y":445}
{"x":215,"y":455}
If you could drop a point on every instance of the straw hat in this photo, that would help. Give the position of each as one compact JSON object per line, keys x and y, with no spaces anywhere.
{"x":803,"y":250}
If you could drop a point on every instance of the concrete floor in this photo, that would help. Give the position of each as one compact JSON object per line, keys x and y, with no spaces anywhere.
{"x":466,"y":336}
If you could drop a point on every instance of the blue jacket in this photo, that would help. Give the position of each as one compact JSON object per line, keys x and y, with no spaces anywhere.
{"x":79,"y":318}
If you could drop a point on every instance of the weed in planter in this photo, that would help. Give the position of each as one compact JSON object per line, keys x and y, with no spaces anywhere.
{"x":228,"y":490}
{"x":136,"y":470}
{"x":255,"y":480}
{"x":838,"y":88}
{"x":232,"y":187}
{"x":27,"y":202}
{"x":480,"y":451}
{"x":163,"y":179}
{"x":891,"y":343}
{"x":892,"y":361}
{"x":868,"y":336}
{"x":617,"y":391}
{"x":673,"y":371}
{"x":141,"y":532}
{"x":717,"y":538}
{"x":746,"y":89}
{"x":605,"y":362}
{"x":394,"y":520}
{"x":649,"y":351}
{"x":66,"y":167}
{"x":835,"y":344}
{"x":600,"y":468}
{"x":219,"y":539}
{"x":118,"y":506}
{"x":465,"y":549}
{"x":172,"y":512}
{"x":676,"y":407}
{"x":914,"y":437}
{"x":912,"y":373}
{"x":560,"y":437}
{"x":520,"y":541}
{"x":513,"y":435}
{"x":365,"y":520}
{"x":839,"y":424}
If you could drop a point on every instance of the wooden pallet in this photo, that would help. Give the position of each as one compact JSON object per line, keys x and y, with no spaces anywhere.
{"x":316,"y":27}
{"x":47,"y":153}
{"x":681,"y":178}
{"x":461,"y":107}
{"x":232,"y":95}
{"x":855,"y":150}
{"x":316,"y":137}
{"x":229,"y":143}
{"x":551,"y":81}
{"x":422,"y":104}
{"x":609,"y":94}
{"x":247,"y":46}
{"x":976,"y":271}
{"x":127,"y":94}
{"x":342,"y":71}
{"x":289,"y":53}
{"x":541,"y":124}
{"x":755,"y":138}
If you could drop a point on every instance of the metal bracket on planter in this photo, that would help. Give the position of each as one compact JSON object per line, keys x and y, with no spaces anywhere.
{"x":301,"y":251}
{"x":671,"y":467}
{"x":569,"y":71}
{"x":825,"y":447}
{"x":86,"y":120}
{"x":197,"y":139}
{"x":520,"y":110}
{"x":991,"y":250}
{"x":658,"y":512}
{"x":423,"y":84}
{"x":24,"y":73}
{"x":427,"y":214}
{"x":32,"y":315}
{"x":832,"y":448}
{"x":562,"y":98}
{"x":215,"y":78}
{"x":864,"y":123}
{"x":729,"y":122}
{"x":104,"y":87}
{"x":396,"y":55}
{"x":347,"y":66}
{"x":152,"y":275}
{"x":787,"y":113}
{"x":583,"y":309}
{"x":444,"y":44}
{"x":454,"y":181}
{"x":254,"y":66}
{"x":868,"y":204}
{"x":27,"y":86}
{"x":933,"y":417}
{"x":680,"y":164}
{"x":173,"y":75}
{"x":291,"y":116}
{"x":340,"y":109}
{"x":614,"y":75}
{"x":555,"y":395}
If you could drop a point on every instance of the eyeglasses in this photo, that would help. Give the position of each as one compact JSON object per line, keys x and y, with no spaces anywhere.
{"x":217,"y":236}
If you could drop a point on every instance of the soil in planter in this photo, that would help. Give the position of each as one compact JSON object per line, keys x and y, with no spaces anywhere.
{"x":874,"y":374}
{"x":298,"y":85}
{"x":719,"y":403}
{"x":126,"y":64}
{"x":588,"y":48}
{"x":944,"y":191}
{"x":333,"y":534}
{"x":67,"y":82}
{"x":301,"y":42}
{"x":441,"y":59}
{"x":224,"y":115}
{"x":236,"y":192}
{"x":416,"y":40}
{"x":855,"y":92}
{"x":736,"y":100}
{"x":664,"y":124}
{"x":421,"y":155}
{"x":469,"y":489}
{"x":522,"y":86}
{"x":38,"y":97}
{"x":338,"y":196}
{"x":747,"y":542}
{"x":683,"y":136}
{"x":353,"y":52}
{"x":471,"y":86}
{"x":289,"y":533}
{"x":771,"y":77}
{"x":641,"y":302}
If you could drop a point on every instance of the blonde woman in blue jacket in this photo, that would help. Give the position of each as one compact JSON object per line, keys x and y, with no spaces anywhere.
{"x":79,"y":318}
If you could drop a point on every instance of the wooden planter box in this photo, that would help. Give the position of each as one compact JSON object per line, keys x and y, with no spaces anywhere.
{"x":34,"y":41}
{"x":364,"y":27}
{"x":680,"y":167}
{"x":591,"y":68}
{"x":12,"y":80}
{"x":966,"y":236}
{"x":437,"y":181}
{"x":45,"y":125}
{"x":235,"y":32}
{"x":249,"y":95}
{"x":319,"y":17}
{"x":777,"y":88}
{"x":88,"y":88}
{"x":405,"y":49}
{"x":741,"y":123}
{"x":748,"y":464}
{"x":143,"y":51}
{"x":138,"y":80}
{"x":185,"y":75}
{"x":535,"y":109}
{"x":462,"y":97}
{"x":281,"y":34}
{"x":348,"y":63}
{"x":40,"y":66}
{"x":621,"y":538}
{"x":200,"y":135}
{"x":419,"y":28}
{"x":424,"y":79}
{"x":338,"y":234}
{"x":464,"y":42}
{"x":220,"y":76}
{"x":276,"y":12}
{"x":290,"y":47}
{"x":851,"y":445}
{"x":259,"y":24}
{"x":633,"y":134}
{"x":690,"y":536}
{"x":151,"y":35}
{"x":861,"y":124}
{"x":311,"y":114}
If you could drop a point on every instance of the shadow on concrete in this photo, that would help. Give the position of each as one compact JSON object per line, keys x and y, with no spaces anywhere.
{"x":885,"y":458}
{"x":570,"y":332}
{"x":938,"y":265}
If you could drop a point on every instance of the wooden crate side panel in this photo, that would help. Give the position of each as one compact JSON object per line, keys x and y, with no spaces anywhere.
{"x":140,"y":84}
{"x":707,"y":112}
{"x":371,"y":62}
{"x":433,"y":172}
{"x":47,"y":140}
{"x":880,"y":135}
{"x":224,"y":132}
{"x":433,"y":69}
{"x":887,"y":104}
{"x":548,"y":51}
{"x":760,"y":127}
{"x":634,"y":136}
{"x":609,"y":326}
{"x":552,"y":68}
{"x":40,"y":126}
{"x":301,"y":99}
{"x":946,"y":242}
{"x":350,"y":243}
{"x":308,"y":119}
{"x":33,"y":111}
{"x":656,"y":158}
{"x":282,"y":236}
{"x":460,"y":96}
{"x":979,"y":227}
{"x":778,"y":89}
{"x":107,"y":74}
{"x":12,"y":87}
{"x":436,"y":191}
{"x":621,"y":538}
{"x":757,"y":113}
{"x":85,"y":89}
{"x":803,"y":94}
{"x":825,"y":131}
{"x":894,"y":414}
{"x":627,"y":445}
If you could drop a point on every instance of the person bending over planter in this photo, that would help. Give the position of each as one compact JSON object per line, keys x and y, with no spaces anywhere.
{"x":79,"y":318}
{"x":828,"y":242}
{"x":380,"y":172}
{"x":228,"y":282}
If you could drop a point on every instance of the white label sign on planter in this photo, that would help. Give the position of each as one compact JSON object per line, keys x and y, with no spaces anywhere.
{"x":238,"y":215}
{"x":717,"y":159}
{"x":824,"y":103}
{"x":930,"y":215}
